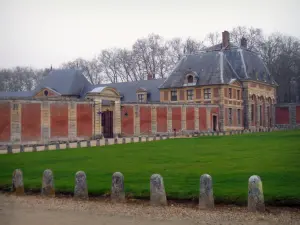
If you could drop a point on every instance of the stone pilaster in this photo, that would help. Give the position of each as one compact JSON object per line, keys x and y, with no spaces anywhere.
{"x":208,"y":118}
{"x":257,"y":114}
{"x":266,"y":119}
{"x":97,"y":118}
{"x":292,"y":112}
{"x":45,"y":121}
{"x":247,"y":107}
{"x":169,"y":119}
{"x":221,"y":122}
{"x":196,"y":117}
{"x":183,"y":117}
{"x":15,"y":121}
{"x":136,"y":120}
{"x":153,"y":119}
{"x":117,"y":118}
{"x":273,"y":115}
{"x":72,"y":111}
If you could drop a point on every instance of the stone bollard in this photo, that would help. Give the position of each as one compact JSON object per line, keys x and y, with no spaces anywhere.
{"x":147,"y":138}
{"x":67,"y":145}
{"x":81,"y":189}
{"x":48,"y":184}
{"x":9,"y":149}
{"x":157,"y":191}
{"x":123,"y":140}
{"x":88,"y":143}
{"x":57,"y":146}
{"x":21,"y":148}
{"x":78,"y":144}
{"x":17,"y":182}
{"x":117,"y":187}
{"x":46,"y":147}
{"x":106,"y":141}
{"x":160,"y":137}
{"x":98,"y":142}
{"x":34,"y":148}
{"x":206,"y":197}
{"x":116,"y":141}
{"x":140,"y":139}
{"x":132,"y":139}
{"x":255,"y":194}
{"x":154,"y":138}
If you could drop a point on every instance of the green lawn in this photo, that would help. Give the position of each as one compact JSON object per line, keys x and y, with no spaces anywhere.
{"x":230,"y":160}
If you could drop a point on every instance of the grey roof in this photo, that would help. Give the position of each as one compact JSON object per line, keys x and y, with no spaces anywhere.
{"x":218,"y":47}
{"x":66,"y":82}
{"x":128,"y":89}
{"x":17,"y":94}
{"x":220,"y":67}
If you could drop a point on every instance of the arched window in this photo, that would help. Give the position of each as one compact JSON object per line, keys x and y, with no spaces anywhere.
{"x":190,"y":79}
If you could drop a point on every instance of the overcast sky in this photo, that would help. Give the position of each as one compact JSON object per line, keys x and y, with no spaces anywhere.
{"x":39,"y":33}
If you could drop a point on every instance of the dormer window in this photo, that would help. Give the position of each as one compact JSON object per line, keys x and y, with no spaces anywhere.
{"x":190,"y":79}
{"x":141,"y":97}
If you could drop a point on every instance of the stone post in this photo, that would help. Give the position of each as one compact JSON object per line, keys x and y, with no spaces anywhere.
{"x":136,"y":120}
{"x":208,"y":118}
{"x":183,"y":118}
{"x":169,"y":118}
{"x":17,"y":182}
{"x":196,"y":118}
{"x":48,"y":184}
{"x":9,"y":149}
{"x":81,"y":189}
{"x":157,"y":191}
{"x":117,"y":187}
{"x":16,"y":111}
{"x":72,"y":120}
{"x":206,"y":197}
{"x":45,"y":111}
{"x":255,"y":194}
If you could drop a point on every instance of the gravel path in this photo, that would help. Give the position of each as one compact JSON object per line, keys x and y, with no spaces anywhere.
{"x":32,"y":210}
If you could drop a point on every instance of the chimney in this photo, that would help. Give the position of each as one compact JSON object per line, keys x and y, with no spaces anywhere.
{"x":243,"y":42}
{"x":225,"y":39}
{"x":150,"y":77}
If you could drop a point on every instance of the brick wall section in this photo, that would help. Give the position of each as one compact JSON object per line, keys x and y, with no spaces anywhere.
{"x":176,"y":118}
{"x":162,"y":125}
{"x":282,"y":115}
{"x":5,"y":128}
{"x":31,"y":122}
{"x":202,"y":119}
{"x":145,"y":120}
{"x":297,"y":114}
{"x":59,"y":118}
{"x":190,"y":118}
{"x":127,"y":121}
{"x":84,"y":120}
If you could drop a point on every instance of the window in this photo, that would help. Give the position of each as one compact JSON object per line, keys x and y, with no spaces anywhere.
{"x":15,"y":106}
{"x":230,"y":116}
{"x":230,"y":92}
{"x":190,"y":79}
{"x":238,"y":94}
{"x":46,"y":93}
{"x":141,"y":97}
{"x":190,"y":94}
{"x":173,"y":95}
{"x":252,"y":112}
{"x":239,"y":117}
{"x":207,"y":93}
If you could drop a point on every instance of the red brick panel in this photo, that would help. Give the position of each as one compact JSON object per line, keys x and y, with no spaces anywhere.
{"x":202,"y":119}
{"x":282,"y":115}
{"x":176,"y":118}
{"x":127,"y":120}
{"x":234,"y":93}
{"x":145,"y":120}
{"x":181,"y":95}
{"x":216,"y":92}
{"x":59,"y":120}
{"x":190,"y":118}
{"x":226,"y":117}
{"x":234,"y":117}
{"x":226,"y":92}
{"x":298,"y":114}
{"x":84,"y":120}
{"x":31,"y":122}
{"x":5,"y":121}
{"x":162,"y":124}
{"x":198,"y":93}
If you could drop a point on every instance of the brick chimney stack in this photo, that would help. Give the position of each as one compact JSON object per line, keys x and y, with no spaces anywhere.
{"x":150,"y":77}
{"x":225,"y":39}
{"x":243,"y":42}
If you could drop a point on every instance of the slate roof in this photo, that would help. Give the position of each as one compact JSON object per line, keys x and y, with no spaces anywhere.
{"x":219,"y":67}
{"x":16,"y":95}
{"x":66,"y":82}
{"x":128,"y":89}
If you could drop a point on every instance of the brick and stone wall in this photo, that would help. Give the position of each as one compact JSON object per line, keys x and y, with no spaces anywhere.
{"x":287,"y":115}
{"x":151,"y":119}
